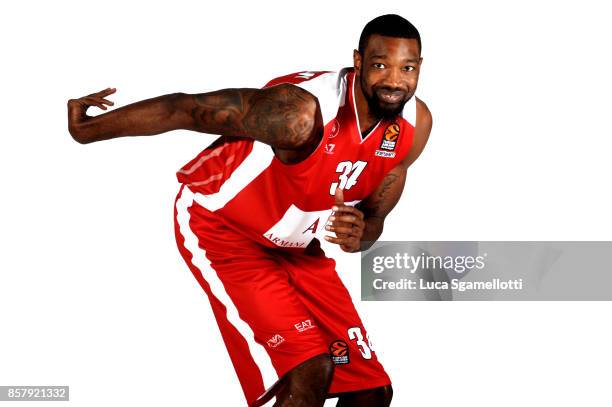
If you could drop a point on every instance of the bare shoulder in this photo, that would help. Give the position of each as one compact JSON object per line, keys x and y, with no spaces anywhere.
{"x":286,"y":117}
{"x":285,"y":104}
{"x":424,"y":119}
{"x":289,"y":93}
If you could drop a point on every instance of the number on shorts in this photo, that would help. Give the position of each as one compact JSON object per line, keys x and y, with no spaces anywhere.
{"x":354,"y":333}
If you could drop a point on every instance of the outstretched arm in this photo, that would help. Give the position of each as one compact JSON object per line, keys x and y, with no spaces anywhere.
{"x":283,"y":116}
{"x":357,"y":228}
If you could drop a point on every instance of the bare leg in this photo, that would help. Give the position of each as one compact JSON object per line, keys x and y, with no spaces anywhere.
{"x":307,"y":384}
{"x":378,"y":397}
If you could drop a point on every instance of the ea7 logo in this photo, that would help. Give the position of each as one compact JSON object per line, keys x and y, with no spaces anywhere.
{"x":304,"y":325}
{"x":276,"y":340}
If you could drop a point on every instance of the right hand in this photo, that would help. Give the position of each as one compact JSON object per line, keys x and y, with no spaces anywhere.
{"x":347,"y":223}
{"x":77,"y":108}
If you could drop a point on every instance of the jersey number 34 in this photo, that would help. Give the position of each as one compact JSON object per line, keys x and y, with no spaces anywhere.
{"x":349,"y":172}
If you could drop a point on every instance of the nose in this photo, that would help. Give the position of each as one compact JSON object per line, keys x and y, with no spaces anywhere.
{"x":393,"y":79}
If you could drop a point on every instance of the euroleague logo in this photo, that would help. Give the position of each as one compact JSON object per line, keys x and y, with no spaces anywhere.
{"x":339,"y":352}
{"x":389,"y":141}
{"x":392,"y":132}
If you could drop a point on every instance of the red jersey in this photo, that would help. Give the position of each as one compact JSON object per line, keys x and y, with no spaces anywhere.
{"x":287,"y":205}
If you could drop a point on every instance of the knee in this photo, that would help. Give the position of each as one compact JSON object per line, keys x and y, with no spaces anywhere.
{"x":377,"y":397}
{"x":318,"y":370}
{"x":308,"y":383}
{"x":326,"y":367}
{"x":386,"y":395}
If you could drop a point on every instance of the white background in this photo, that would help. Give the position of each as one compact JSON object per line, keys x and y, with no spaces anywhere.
{"x":93,"y":292}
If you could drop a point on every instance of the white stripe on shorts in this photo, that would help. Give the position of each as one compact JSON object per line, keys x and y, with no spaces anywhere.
{"x":199,"y":260}
{"x":254,"y":164}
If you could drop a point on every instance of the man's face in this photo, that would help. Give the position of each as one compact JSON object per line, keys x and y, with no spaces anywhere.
{"x":388,"y":73}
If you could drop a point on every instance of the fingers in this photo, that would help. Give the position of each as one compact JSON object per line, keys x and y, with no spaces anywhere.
{"x":347,"y":236}
{"x":90,"y":101}
{"x":104,"y":93}
{"x":339,"y":220}
{"x":347,"y":244}
{"x":99,"y":98}
{"x":339,"y":197}
{"x":346,"y":230}
{"x":346,"y":222}
{"x":345,"y":226}
{"x":349,"y":225}
{"x":346,"y":209}
{"x":340,"y":240}
{"x":352,"y":219}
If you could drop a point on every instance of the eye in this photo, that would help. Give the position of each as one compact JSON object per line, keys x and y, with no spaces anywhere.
{"x":378,"y":65}
{"x":409,"y":68}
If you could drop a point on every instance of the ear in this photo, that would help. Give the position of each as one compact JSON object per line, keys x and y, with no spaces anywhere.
{"x":356,"y":60}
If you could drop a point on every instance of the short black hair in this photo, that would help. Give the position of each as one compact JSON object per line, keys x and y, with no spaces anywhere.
{"x":389,"y":25}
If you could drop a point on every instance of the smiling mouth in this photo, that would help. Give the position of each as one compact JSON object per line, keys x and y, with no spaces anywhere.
{"x":391,"y":96}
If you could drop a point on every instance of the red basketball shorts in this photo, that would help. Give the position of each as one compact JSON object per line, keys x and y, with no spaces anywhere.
{"x":275,"y":309}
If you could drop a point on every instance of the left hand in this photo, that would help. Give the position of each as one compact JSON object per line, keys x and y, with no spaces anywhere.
{"x":348,"y":224}
{"x":77,"y":108}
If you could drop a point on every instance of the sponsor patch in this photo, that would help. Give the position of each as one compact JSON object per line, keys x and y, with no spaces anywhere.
{"x":385,"y":154}
{"x":304,"y":325}
{"x":390,"y":137}
{"x":276,"y":340}
{"x":339,"y":352}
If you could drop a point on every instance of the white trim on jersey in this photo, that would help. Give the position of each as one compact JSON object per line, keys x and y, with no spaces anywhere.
{"x":208,"y":180}
{"x":215,"y":177}
{"x":202,"y":160}
{"x":356,"y":114}
{"x":329,"y":91}
{"x":254,"y":164}
{"x":409,"y":112}
{"x":199,"y":261}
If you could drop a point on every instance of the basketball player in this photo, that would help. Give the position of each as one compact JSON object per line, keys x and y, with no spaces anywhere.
{"x":311,"y":155}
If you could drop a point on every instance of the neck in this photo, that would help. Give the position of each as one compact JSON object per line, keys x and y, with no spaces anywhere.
{"x":366,"y":119}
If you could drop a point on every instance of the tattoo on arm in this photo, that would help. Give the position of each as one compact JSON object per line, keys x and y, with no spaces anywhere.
{"x":284,"y":116}
{"x":378,"y":205}
{"x":219,"y":111}
{"x":386,"y":196}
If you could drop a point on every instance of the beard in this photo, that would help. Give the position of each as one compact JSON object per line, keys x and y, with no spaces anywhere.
{"x":378,"y":106}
